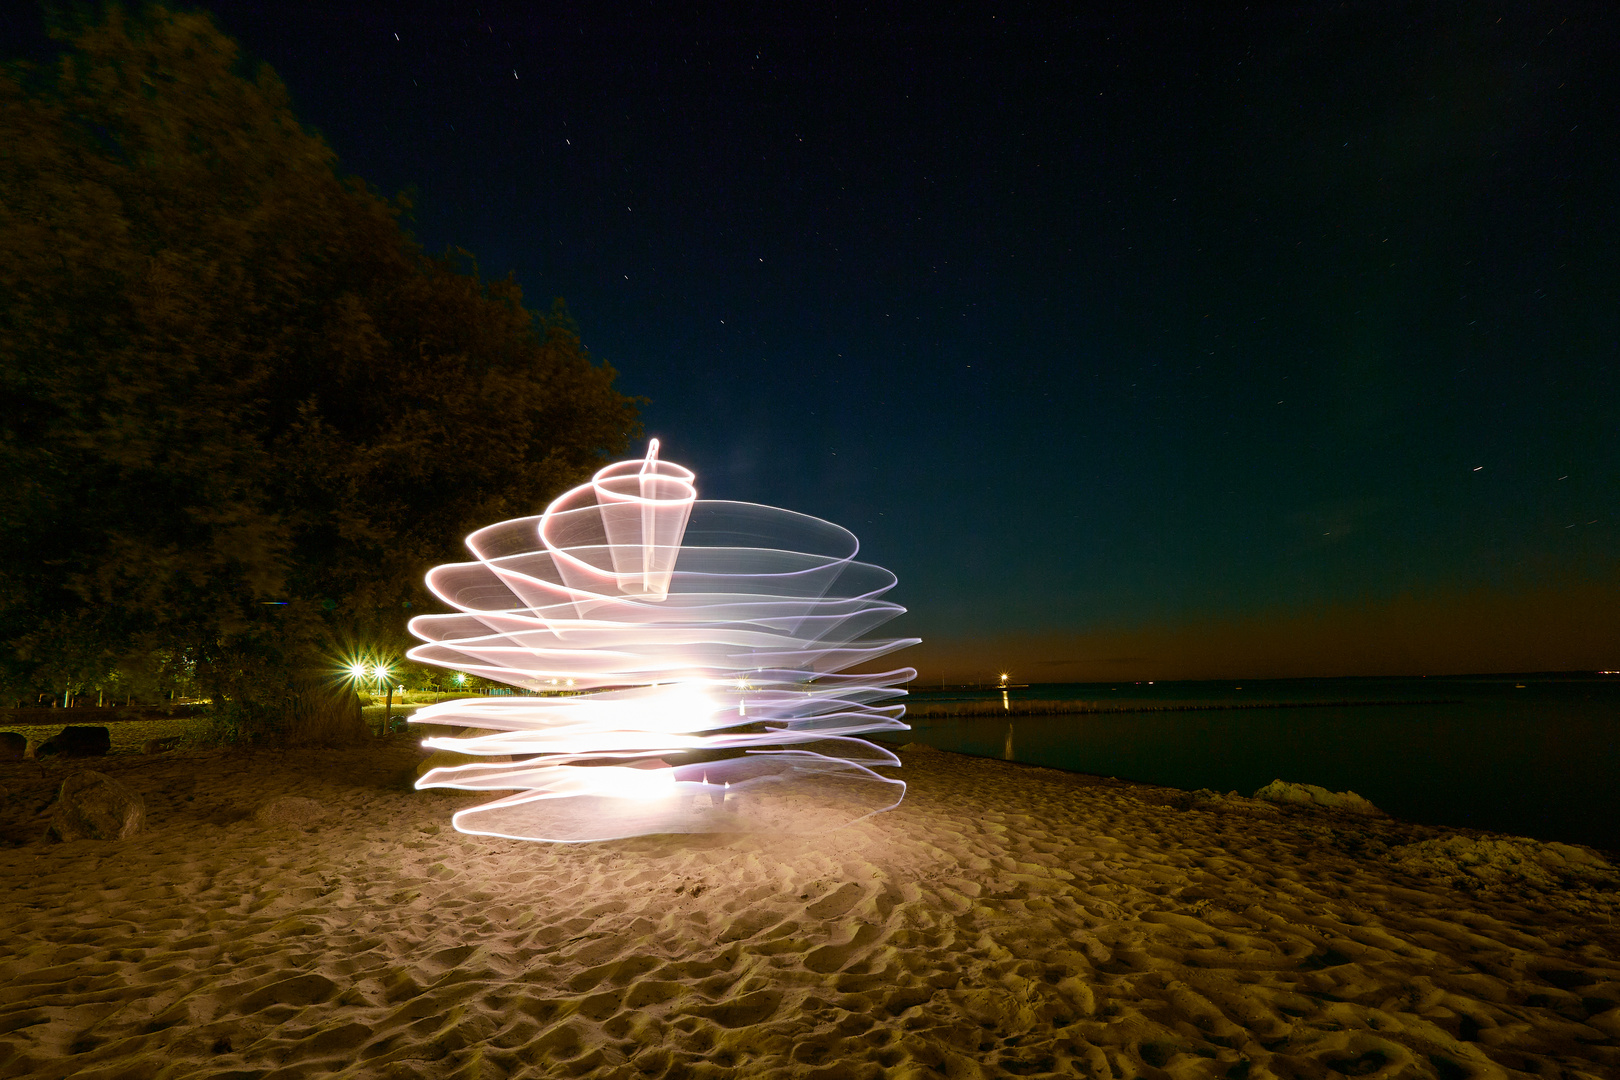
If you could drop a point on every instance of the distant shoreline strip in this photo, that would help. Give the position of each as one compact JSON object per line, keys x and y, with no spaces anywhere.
{"x":1066,"y":708}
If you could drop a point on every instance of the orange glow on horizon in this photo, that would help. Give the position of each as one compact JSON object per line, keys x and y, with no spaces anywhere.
{"x":1572,"y":628}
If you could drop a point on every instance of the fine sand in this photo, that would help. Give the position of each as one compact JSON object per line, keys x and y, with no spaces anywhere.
{"x":1005,"y":920}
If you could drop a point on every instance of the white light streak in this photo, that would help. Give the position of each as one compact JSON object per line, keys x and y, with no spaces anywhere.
{"x":704,"y":642}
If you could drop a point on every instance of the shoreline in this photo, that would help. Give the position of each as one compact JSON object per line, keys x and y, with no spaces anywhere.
{"x":977,"y":710}
{"x":1181,"y":796}
{"x":128,"y":739}
{"x":1005,"y":919}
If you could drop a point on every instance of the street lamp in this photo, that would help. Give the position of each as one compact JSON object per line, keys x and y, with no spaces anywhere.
{"x":384,"y":683}
{"x":364,"y":672}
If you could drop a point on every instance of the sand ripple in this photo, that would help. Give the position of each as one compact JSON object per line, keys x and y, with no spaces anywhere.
{"x":1003,"y":921}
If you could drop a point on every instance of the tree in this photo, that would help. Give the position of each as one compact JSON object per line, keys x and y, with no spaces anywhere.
{"x":242,"y":411}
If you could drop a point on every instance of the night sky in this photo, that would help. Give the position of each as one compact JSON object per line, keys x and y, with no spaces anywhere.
{"x":1148,"y":345}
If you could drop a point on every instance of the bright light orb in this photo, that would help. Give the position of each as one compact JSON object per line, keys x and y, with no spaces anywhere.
{"x":705,"y":643}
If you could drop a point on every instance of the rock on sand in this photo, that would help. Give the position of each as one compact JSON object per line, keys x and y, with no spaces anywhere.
{"x":1488,"y":861}
{"x":1280,"y":791}
{"x":78,"y":740}
{"x":289,"y":810}
{"x":94,"y":806}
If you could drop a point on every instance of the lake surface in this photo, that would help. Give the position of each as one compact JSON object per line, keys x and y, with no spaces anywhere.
{"x":1529,"y":756}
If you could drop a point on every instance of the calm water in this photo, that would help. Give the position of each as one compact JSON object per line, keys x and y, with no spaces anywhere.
{"x":1542,"y":760}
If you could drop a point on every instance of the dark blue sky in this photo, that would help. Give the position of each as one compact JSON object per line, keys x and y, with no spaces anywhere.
{"x":1090,"y":325}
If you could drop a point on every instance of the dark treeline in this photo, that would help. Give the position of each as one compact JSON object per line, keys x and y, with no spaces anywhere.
{"x":241,"y":411}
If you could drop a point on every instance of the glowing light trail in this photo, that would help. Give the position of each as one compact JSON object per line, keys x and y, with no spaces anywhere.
{"x":704,"y":641}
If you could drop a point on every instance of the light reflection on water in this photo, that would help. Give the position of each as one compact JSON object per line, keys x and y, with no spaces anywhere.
{"x":1540,"y":761}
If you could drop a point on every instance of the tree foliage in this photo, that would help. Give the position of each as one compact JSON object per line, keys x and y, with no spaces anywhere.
{"x":242,"y":411}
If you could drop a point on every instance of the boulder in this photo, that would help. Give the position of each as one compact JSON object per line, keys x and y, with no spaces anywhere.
{"x":1210,"y":799}
{"x":77,"y":741}
{"x":94,"y":806}
{"x":1280,"y":791}
{"x":289,"y":810}
{"x":1474,"y":861}
{"x":13,"y":746}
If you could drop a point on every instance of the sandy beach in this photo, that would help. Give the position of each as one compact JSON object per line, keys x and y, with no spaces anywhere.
{"x":1005,"y":920}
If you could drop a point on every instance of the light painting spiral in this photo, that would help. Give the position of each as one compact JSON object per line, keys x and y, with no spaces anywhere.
{"x":689,"y":656}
